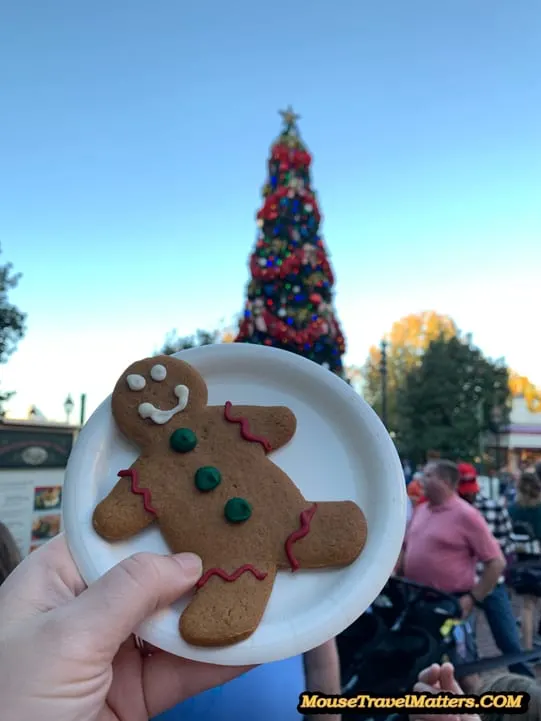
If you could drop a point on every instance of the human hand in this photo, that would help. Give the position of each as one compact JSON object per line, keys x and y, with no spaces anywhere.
{"x":67,"y":652}
{"x":436,"y":679}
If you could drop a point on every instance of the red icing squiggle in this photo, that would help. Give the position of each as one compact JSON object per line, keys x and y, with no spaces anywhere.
{"x":144,"y":492}
{"x":305,"y":521}
{"x":245,"y":428}
{"x":229,"y":578}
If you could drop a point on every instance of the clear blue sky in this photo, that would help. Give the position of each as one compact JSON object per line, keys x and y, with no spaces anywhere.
{"x":133,"y":143}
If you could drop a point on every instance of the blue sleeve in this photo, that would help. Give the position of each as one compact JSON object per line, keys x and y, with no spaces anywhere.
{"x":267,"y":693}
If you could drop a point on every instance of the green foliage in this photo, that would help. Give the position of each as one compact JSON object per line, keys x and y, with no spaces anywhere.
{"x":447,"y":401}
{"x":12,"y":321}
{"x":174,"y":343}
{"x":407,"y":341}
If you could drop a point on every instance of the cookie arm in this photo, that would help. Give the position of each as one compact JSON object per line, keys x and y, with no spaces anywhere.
{"x":330,"y":534}
{"x":126,"y":510}
{"x":272,"y":426}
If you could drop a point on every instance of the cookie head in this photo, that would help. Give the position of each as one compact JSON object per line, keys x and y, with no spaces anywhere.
{"x":154,"y":391}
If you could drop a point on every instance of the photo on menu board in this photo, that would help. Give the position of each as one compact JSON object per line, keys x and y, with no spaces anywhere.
{"x":45,"y":527}
{"x":48,"y":498}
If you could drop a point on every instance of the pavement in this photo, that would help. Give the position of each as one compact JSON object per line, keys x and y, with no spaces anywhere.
{"x":486,"y":645}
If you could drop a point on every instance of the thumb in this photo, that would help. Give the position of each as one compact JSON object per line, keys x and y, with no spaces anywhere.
{"x":448,"y":681}
{"x":112,"y":607}
{"x":430,"y":675}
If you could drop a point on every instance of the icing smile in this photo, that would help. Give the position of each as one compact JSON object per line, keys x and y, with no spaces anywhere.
{"x":156,"y":415}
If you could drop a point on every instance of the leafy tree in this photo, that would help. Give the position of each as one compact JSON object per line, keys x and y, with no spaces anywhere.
{"x":522,"y":387}
{"x":12,"y":321}
{"x":174,"y":343}
{"x":447,"y":401}
{"x":289,"y":301}
{"x":406,"y":343}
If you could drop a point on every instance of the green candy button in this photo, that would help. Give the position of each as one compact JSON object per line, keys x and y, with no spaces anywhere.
{"x":237,"y":510}
{"x":207,"y":478}
{"x":183,"y":440}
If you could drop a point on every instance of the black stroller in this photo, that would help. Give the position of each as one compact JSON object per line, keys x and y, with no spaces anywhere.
{"x":408,"y":627}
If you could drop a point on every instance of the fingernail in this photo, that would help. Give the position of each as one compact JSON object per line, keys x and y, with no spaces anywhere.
{"x":191,"y":564}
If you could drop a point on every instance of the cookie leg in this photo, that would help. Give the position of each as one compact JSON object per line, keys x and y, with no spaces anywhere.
{"x":332,"y":534}
{"x":225,"y":612}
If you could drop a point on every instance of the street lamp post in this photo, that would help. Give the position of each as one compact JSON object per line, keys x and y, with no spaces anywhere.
{"x":383,"y":372}
{"x":83,"y":410}
{"x":68,"y":407}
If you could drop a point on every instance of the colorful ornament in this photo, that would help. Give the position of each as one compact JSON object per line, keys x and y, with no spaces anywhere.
{"x":260,"y":323}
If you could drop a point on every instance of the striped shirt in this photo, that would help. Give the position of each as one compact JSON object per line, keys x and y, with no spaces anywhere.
{"x":495,"y":513}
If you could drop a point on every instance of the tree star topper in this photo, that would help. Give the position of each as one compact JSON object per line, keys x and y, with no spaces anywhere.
{"x":289,"y":117}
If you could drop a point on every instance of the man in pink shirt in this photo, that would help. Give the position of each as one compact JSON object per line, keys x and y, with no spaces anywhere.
{"x":445,"y":540}
{"x":447,"y":537}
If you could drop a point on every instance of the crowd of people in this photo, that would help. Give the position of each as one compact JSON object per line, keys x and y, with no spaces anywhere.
{"x":457,"y":540}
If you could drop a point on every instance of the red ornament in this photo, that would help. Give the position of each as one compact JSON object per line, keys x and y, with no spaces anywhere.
{"x":315,"y":298}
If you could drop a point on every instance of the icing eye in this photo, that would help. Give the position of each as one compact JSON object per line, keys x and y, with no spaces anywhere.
{"x":158,"y":373}
{"x":135,"y":382}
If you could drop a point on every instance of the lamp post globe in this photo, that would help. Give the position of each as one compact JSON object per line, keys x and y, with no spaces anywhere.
{"x":68,"y":407}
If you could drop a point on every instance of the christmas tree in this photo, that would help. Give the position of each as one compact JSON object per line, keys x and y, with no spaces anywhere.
{"x":289,"y":300}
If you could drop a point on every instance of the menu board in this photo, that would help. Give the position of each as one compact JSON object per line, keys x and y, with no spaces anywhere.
{"x":31,"y":506}
{"x":32,"y":463}
{"x":47,"y":514}
{"x":16,"y":508}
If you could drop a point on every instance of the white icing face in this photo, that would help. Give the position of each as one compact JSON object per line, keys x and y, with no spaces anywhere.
{"x":149,"y":410}
{"x":158,"y":372}
{"x":135,"y":382}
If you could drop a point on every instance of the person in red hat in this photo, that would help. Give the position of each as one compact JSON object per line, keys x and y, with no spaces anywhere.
{"x":468,"y":486}
{"x":497,"y":605}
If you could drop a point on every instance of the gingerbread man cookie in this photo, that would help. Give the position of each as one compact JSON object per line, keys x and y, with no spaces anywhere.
{"x":204,"y":475}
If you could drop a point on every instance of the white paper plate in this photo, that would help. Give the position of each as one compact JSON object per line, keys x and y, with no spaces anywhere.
{"x":340,"y":451}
